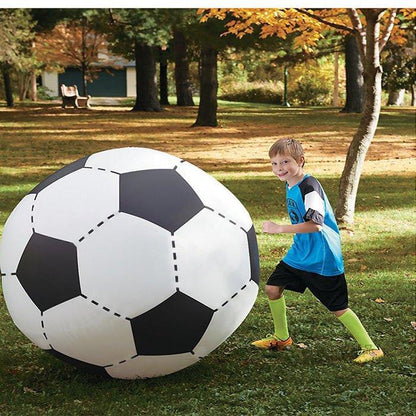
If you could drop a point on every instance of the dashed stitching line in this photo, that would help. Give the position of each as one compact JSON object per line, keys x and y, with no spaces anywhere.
{"x":32,"y":221}
{"x":81,"y":239}
{"x":104,"y":308}
{"x":42,"y":324}
{"x":224,"y":217}
{"x":232,"y":297}
{"x":175,"y":261}
{"x":102,"y":169}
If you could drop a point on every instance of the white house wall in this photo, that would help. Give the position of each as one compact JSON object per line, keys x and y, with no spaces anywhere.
{"x":131,"y":81}
{"x":50,"y":81}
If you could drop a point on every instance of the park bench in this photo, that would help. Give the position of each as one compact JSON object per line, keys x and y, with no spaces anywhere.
{"x":71,"y":97}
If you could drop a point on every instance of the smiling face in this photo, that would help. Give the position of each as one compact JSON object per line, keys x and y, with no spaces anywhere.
{"x":287,"y":169}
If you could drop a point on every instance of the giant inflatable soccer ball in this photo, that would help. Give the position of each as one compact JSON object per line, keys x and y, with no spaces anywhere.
{"x":130,"y":262}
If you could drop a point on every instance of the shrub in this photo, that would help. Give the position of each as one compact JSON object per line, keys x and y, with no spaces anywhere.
{"x":254,"y":92}
{"x":310,"y":91}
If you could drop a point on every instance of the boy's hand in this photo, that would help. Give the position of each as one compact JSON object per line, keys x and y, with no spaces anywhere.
{"x":271,"y":228}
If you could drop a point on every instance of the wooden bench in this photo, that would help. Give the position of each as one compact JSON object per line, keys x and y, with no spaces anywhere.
{"x":71,"y":97}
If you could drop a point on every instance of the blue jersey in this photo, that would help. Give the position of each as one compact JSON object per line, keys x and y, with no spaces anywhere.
{"x":318,"y":252}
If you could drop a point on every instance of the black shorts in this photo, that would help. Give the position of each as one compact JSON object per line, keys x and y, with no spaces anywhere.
{"x":330,"y":290}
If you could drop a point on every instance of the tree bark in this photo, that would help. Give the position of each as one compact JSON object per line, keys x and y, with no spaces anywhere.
{"x":7,"y":86}
{"x":413,"y":92}
{"x":182,"y":79}
{"x":207,"y":110}
{"x":362,"y":139}
{"x":163,"y":78}
{"x":33,"y":86}
{"x":396,"y":97}
{"x":335,"y":99}
{"x":146,"y":84}
{"x":354,"y":102}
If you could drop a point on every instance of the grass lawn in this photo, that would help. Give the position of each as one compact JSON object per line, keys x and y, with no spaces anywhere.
{"x":317,"y":379}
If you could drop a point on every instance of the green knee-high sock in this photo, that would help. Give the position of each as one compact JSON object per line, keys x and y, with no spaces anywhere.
{"x":278,"y":309}
{"x":354,"y":325}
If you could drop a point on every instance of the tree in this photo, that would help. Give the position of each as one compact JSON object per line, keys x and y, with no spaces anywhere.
{"x":182,"y":78}
{"x":141,"y":31}
{"x":399,"y":66}
{"x":372,"y":29}
{"x":354,"y":102}
{"x":72,"y":43}
{"x":16,"y":37}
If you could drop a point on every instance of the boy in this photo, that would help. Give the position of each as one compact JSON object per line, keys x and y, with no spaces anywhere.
{"x":314,"y":260}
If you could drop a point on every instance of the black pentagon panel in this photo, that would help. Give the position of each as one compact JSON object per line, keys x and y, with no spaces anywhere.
{"x":160,"y":196}
{"x":66,"y":170}
{"x":173,"y":327}
{"x":254,"y":255}
{"x":48,"y":271}
{"x":90,"y":368}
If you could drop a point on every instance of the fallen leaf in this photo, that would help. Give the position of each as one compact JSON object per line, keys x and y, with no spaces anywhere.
{"x":413,"y":323}
{"x":380,"y":300}
{"x":302,"y":345}
{"x":388,"y":319}
{"x":363,"y":267}
{"x":29,"y":390}
{"x":354,"y":260}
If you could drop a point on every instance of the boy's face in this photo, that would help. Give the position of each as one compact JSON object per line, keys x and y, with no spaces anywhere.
{"x":287,"y":169}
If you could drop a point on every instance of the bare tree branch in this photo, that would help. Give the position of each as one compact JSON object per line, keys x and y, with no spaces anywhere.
{"x":358,"y":29}
{"x":388,"y":30}
{"x":325,"y":22}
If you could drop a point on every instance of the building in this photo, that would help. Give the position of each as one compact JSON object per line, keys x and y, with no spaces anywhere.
{"x":111,"y":79}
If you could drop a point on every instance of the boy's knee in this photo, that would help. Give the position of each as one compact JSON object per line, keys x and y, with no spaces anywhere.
{"x":274,"y":292}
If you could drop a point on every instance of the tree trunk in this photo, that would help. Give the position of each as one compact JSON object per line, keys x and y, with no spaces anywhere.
{"x":163,"y":78}
{"x":207,"y":111}
{"x":362,"y":139}
{"x":335,"y":99}
{"x":396,"y":97}
{"x":7,"y":86}
{"x":354,"y":77}
{"x":182,"y":79}
{"x":84,"y":80}
{"x":413,"y":92}
{"x":146,"y":84}
{"x":33,"y":86}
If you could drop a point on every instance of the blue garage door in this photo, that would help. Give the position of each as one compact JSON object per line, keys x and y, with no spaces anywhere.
{"x":108,"y":82}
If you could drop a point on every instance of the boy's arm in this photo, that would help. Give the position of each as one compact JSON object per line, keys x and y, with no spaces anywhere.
{"x":270,"y":227}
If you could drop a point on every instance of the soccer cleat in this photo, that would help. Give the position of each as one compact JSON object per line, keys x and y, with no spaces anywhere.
{"x":369,"y":355}
{"x":272,"y":343}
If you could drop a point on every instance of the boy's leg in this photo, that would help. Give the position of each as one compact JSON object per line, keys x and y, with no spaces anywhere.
{"x":280,"y":339}
{"x":333,"y":293}
{"x":351,"y":321}
{"x":278,"y":310}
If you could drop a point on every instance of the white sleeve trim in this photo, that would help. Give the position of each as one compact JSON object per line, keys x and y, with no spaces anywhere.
{"x":314,"y":201}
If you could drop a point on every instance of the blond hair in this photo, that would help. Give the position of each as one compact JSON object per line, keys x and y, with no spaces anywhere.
{"x":287,"y":147}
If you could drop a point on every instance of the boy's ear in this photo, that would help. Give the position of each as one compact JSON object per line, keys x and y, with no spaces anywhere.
{"x":301,"y":161}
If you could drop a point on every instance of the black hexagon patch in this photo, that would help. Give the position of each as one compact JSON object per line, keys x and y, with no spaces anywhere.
{"x":254,"y":255}
{"x":48,"y":271}
{"x":160,"y":196}
{"x":66,"y":170}
{"x":173,"y":327}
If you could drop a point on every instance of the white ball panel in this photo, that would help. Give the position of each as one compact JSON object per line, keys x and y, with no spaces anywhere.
{"x":215,"y":195}
{"x":127,"y":265}
{"x":25,"y":314}
{"x":70,"y":207}
{"x":227,"y":319}
{"x":213,"y":258}
{"x":130,"y":159}
{"x":151,"y":366}
{"x":17,"y":232}
{"x":85,"y":331}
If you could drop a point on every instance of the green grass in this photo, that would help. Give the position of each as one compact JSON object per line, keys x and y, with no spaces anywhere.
{"x":236,"y":379}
